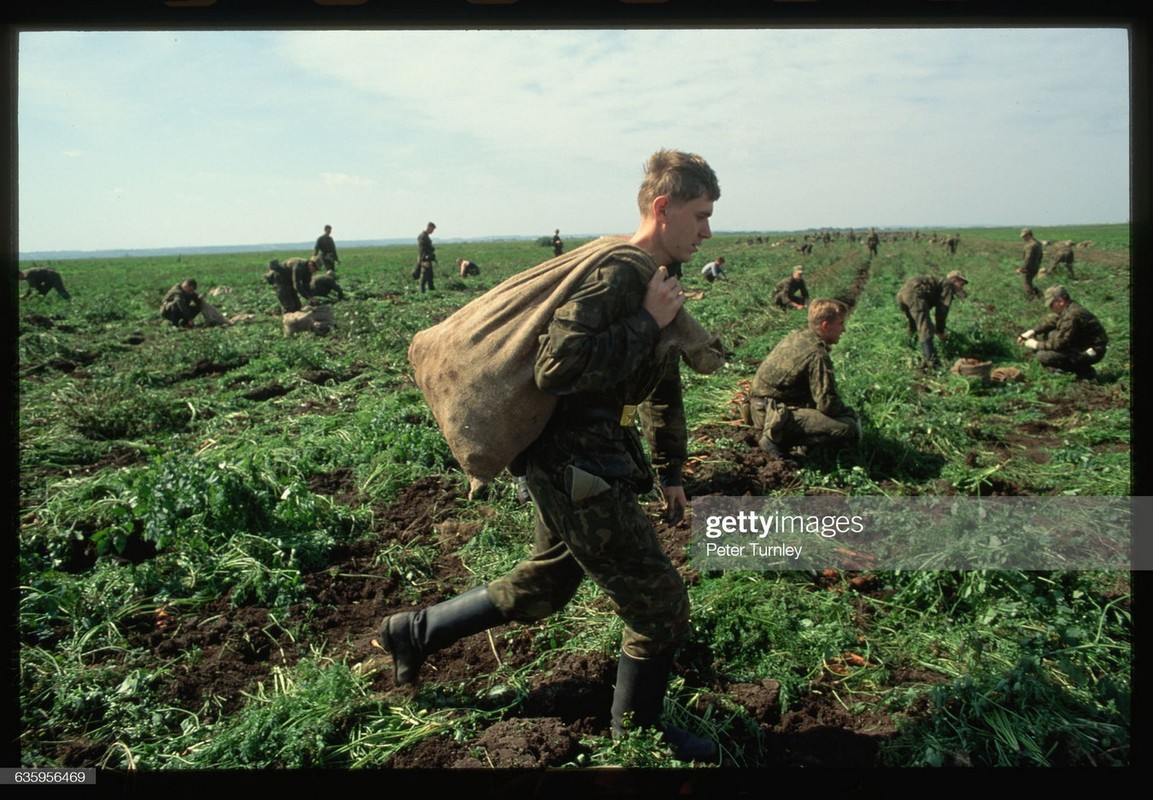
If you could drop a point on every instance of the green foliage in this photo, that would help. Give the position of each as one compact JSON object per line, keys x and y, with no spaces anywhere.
{"x":182,"y":467}
{"x":301,"y":722}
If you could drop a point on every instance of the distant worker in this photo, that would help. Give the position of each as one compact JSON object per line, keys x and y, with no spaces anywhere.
{"x":325,"y":286}
{"x":425,"y":259}
{"x":557,"y":243}
{"x":1071,"y":339}
{"x":181,"y":304}
{"x":791,"y":291}
{"x":1031,"y":263}
{"x":325,"y":251}
{"x":44,"y":280}
{"x":467,"y":268}
{"x":293,"y":280}
{"x":1064,"y":258}
{"x":714,"y":269}
{"x":925,"y":294}
{"x":872,"y":241}
{"x":793,"y":396}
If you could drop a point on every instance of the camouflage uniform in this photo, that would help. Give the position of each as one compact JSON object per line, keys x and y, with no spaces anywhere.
{"x":872,"y":241}
{"x":425,"y":258}
{"x":325,"y":285}
{"x":180,"y":307}
{"x":325,"y":251}
{"x":1029,"y":267}
{"x":44,"y":280}
{"x":916,"y":299}
{"x":794,"y":395}
{"x":1064,"y":256}
{"x":292,"y":279}
{"x":790,"y":290}
{"x":597,"y":355}
{"x":1069,"y":335}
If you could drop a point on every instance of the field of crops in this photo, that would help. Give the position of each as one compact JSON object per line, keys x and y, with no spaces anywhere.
{"x":214,"y":521}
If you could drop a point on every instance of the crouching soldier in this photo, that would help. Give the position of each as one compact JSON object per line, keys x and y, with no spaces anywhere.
{"x":791,"y":291}
{"x":181,"y":304}
{"x":44,"y":280}
{"x":1071,"y":339}
{"x":794,"y":395}
{"x":326,"y":285}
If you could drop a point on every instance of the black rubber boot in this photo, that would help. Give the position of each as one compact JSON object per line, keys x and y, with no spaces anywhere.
{"x":929,"y":353}
{"x":412,"y":636}
{"x":771,"y":448}
{"x":639,"y":701}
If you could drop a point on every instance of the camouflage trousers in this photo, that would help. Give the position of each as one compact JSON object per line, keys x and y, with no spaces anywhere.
{"x":918,"y":318}
{"x":789,"y":426}
{"x":607,"y":537}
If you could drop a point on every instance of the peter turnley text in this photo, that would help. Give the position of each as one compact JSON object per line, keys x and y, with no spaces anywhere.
{"x":762,"y":525}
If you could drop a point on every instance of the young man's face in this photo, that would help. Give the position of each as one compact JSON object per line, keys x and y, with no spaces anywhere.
{"x":831,"y":330}
{"x":684,"y":227}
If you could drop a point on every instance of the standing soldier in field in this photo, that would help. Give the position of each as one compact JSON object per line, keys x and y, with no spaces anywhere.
{"x":181,"y":303}
{"x":791,"y":291}
{"x":557,"y":243}
{"x":587,"y":469}
{"x":1071,"y":339}
{"x":325,"y":251}
{"x":872,"y":241}
{"x":425,"y":258}
{"x":1030,"y":264}
{"x":43,"y":280}
{"x":924,"y":294}
{"x":952,"y":242}
{"x":793,"y":397}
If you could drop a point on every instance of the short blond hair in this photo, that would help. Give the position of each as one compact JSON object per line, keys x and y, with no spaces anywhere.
{"x":826,"y":309}
{"x":682,"y":177}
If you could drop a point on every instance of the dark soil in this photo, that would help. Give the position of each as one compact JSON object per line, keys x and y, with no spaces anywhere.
{"x":570,"y":693}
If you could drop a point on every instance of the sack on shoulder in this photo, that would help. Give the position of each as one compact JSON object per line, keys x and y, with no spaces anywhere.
{"x":475,"y":368}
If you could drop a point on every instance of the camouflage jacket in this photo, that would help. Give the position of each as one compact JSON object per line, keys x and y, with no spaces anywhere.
{"x":1074,"y":329}
{"x":926,"y":292}
{"x":598,"y":357}
{"x":799,"y":373}
{"x":187,"y":303}
{"x":1032,"y":260}
{"x":424,"y":248}
{"x":299,"y":276}
{"x":790,"y":290}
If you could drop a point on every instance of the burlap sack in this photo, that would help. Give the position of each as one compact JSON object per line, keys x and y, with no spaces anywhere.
{"x":211,"y":314}
{"x":317,"y":319}
{"x":476,"y":367}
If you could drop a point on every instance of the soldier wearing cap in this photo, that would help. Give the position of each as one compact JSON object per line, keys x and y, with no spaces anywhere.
{"x":793,"y":397}
{"x":1071,"y":339}
{"x":923,"y":294}
{"x":1031,"y":263}
{"x":791,"y":292}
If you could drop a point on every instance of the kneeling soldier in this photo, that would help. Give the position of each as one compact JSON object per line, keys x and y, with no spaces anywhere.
{"x":794,"y":393}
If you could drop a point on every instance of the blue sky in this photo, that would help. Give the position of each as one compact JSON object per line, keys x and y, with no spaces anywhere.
{"x":189,"y":138}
